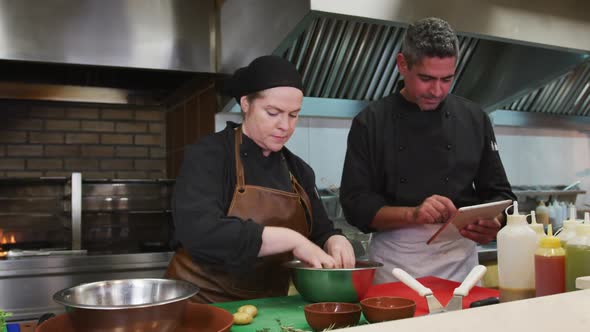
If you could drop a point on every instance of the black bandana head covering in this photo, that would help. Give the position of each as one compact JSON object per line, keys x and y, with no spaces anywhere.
{"x":265,"y":72}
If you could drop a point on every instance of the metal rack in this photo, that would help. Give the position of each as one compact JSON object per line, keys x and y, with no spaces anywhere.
{"x":110,"y":220}
{"x":529,"y":196}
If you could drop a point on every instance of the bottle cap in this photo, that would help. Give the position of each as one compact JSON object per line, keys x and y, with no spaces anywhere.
{"x":515,"y":217}
{"x":549,"y":241}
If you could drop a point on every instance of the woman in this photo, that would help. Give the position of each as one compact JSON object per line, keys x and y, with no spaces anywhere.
{"x":244,"y":204}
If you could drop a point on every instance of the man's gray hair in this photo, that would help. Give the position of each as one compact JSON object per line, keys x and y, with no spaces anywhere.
{"x":429,"y":37}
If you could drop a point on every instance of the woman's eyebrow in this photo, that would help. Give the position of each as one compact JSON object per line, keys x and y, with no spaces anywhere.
{"x":282,"y":110}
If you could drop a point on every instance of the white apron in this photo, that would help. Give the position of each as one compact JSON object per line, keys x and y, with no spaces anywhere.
{"x":449,"y":256}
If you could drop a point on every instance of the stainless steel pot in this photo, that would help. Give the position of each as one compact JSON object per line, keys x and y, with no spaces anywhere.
{"x":127,"y":305}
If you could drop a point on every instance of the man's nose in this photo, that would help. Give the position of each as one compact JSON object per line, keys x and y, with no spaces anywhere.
{"x":436,"y":89}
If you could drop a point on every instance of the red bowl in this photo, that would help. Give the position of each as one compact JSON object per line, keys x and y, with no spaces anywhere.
{"x":334,"y":315}
{"x":196,"y":318}
{"x":384,"y":308}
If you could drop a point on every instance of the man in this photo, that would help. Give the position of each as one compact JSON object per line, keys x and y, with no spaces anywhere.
{"x":417,"y":155}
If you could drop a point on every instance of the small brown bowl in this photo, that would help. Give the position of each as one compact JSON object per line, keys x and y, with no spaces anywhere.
{"x":383,"y":308}
{"x":335,"y":315}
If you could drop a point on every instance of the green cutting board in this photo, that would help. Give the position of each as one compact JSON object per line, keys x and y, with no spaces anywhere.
{"x":288,"y":309}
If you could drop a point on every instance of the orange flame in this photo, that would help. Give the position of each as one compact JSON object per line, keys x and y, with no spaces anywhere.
{"x":8,"y":239}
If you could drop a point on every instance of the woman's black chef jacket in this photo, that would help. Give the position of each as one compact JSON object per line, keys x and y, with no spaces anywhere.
{"x":204,"y":190}
{"x":398,"y":155}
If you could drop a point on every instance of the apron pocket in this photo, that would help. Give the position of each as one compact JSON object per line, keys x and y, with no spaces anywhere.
{"x":248,"y":283}
{"x":267,"y":277}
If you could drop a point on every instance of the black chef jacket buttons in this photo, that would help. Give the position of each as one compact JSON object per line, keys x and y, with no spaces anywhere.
{"x":449,"y":146}
{"x":447,"y":114}
{"x":245,"y":154}
{"x":447,"y":179}
{"x":401,"y":148}
{"x":402,"y":180}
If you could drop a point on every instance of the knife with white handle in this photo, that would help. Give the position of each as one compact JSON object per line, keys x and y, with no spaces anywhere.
{"x":472,"y":278}
{"x":411,"y":282}
{"x":456,"y":302}
{"x":433,"y":305}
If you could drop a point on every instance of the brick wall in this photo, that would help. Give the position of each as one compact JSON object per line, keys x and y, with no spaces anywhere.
{"x":187,"y":121}
{"x":56,"y":139}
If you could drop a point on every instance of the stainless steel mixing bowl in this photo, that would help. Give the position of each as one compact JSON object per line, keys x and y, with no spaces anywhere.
{"x":127,"y":305}
{"x":333,"y":285}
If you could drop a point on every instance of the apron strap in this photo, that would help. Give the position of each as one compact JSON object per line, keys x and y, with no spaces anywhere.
{"x":241,"y":182}
{"x":239,"y":167}
{"x":304,"y":198}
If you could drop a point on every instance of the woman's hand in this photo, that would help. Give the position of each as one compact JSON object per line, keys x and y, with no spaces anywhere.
{"x":312,"y":255}
{"x":341,"y":250}
{"x":276,"y":240}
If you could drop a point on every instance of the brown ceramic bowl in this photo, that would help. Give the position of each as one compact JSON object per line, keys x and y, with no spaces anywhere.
{"x":335,"y":315}
{"x":196,"y":318}
{"x":383,"y":308}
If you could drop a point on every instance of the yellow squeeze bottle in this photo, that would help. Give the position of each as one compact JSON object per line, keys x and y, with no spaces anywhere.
{"x":549,"y":265}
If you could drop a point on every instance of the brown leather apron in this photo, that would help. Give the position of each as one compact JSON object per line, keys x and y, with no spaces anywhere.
{"x":265,"y":206}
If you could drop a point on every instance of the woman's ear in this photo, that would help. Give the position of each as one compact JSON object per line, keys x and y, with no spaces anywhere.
{"x":244,"y":104}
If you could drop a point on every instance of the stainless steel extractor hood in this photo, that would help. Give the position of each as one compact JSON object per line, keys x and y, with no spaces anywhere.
{"x":568,"y":94}
{"x":345,"y":50}
{"x":106,"y":51}
{"x":562,"y":102}
{"x":155,"y":34}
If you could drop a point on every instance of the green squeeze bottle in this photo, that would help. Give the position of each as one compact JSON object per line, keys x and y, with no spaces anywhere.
{"x":577,"y":253}
{"x":568,"y":231}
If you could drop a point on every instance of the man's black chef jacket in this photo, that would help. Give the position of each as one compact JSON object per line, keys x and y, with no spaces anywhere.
{"x":204,"y":190}
{"x":398,"y":155}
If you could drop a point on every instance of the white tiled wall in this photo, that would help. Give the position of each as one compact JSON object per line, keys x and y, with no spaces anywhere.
{"x":531,"y":156}
{"x":321,"y":142}
{"x":541,"y":156}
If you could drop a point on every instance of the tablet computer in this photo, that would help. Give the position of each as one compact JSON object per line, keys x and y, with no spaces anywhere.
{"x":469,"y":214}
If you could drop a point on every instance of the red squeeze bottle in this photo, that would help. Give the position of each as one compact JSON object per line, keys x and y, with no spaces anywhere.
{"x":549,"y":265}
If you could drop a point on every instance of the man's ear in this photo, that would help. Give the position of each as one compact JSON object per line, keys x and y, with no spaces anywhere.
{"x":402,"y":64}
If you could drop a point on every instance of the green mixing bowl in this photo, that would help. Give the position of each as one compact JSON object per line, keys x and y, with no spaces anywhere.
{"x":333,"y":285}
